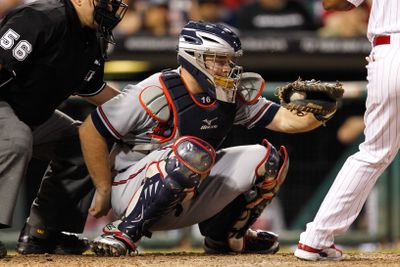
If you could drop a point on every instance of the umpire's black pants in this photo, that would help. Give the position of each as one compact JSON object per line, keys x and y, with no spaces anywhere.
{"x":66,"y":190}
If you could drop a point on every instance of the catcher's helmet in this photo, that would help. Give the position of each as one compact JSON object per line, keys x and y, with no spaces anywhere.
{"x":107,"y":14}
{"x":203,"y":48}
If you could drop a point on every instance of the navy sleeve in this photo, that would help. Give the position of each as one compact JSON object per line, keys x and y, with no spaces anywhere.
{"x":101,"y":128}
{"x":268,"y":116}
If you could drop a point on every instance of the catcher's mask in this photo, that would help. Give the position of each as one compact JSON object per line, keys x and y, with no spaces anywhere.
{"x":210,"y":52}
{"x":107,"y":14}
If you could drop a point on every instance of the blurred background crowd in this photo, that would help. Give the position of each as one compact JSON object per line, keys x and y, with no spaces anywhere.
{"x":162,"y":17}
{"x":166,"y":18}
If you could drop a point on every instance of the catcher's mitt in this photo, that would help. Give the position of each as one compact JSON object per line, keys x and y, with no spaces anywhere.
{"x":313,"y":96}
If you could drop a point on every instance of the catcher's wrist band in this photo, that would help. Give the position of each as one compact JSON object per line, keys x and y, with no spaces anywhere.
{"x":323,"y":119}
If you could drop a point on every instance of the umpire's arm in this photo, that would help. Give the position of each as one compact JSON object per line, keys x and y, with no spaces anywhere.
{"x":288,"y":122}
{"x":106,"y":94}
{"x":96,"y":154}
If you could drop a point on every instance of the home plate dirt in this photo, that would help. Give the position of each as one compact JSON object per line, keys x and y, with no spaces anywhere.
{"x":198,"y":259}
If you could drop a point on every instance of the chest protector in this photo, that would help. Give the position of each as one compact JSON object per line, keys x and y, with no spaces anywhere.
{"x":210,"y":122}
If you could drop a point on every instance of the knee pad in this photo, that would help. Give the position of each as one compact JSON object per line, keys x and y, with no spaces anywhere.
{"x":270,"y":174}
{"x":272,"y":170}
{"x":190,"y":161}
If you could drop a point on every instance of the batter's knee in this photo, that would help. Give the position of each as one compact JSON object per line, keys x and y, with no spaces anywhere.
{"x":373,"y":158}
{"x":190,"y":161}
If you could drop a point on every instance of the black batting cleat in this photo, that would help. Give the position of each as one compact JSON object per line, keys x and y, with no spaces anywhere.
{"x":3,"y":250}
{"x":254,"y":241}
{"x":53,"y":243}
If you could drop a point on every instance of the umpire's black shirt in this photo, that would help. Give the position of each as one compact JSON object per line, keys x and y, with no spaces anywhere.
{"x":47,"y":56}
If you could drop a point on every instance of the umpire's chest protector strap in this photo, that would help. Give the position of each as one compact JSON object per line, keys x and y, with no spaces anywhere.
{"x":210,"y":122}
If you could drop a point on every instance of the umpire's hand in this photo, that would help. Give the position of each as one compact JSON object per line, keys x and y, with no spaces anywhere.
{"x":101,"y":204}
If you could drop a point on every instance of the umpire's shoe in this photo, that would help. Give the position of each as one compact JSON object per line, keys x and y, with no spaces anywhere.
{"x":254,"y":241}
{"x":30,"y":242}
{"x":3,"y":250}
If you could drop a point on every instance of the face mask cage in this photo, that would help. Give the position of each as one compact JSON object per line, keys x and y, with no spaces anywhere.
{"x":224,"y":71}
{"x":107,"y":14}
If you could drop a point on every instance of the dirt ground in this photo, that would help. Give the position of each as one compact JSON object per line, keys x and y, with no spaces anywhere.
{"x":353,"y":259}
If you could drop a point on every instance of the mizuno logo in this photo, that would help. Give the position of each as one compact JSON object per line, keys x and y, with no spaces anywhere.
{"x":208,"y":124}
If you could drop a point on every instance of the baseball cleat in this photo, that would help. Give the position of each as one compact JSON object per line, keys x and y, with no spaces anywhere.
{"x":111,"y":245}
{"x":53,"y":243}
{"x":307,"y":253}
{"x":69,"y":244}
{"x":3,"y":250}
{"x":254,"y":241}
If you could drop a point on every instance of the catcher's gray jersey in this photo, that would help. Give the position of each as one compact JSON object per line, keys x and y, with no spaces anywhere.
{"x":125,"y":119}
{"x":132,"y":120}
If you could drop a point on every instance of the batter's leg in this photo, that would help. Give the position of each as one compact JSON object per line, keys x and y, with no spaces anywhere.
{"x":358,"y":175}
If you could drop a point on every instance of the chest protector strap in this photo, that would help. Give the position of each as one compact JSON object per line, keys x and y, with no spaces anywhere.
{"x":208,"y":121}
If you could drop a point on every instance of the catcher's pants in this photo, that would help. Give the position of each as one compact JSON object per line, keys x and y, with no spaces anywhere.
{"x":66,"y":189}
{"x":232,"y":175}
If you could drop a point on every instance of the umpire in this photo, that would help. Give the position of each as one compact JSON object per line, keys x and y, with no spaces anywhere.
{"x":49,"y":50}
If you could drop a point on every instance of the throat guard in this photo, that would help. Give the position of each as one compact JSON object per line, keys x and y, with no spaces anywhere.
{"x":210,"y":122}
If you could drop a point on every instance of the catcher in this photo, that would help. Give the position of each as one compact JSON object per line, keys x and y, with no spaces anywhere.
{"x":167,"y":171}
